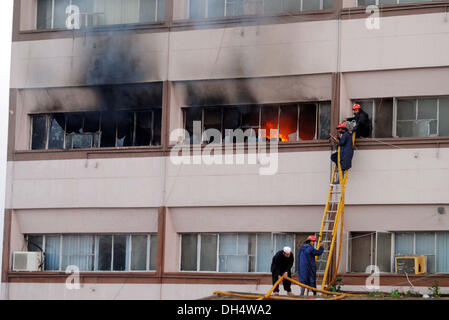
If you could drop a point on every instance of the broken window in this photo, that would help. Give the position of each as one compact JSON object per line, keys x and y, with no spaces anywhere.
{"x":193,"y":118}
{"x":35,"y":243}
{"x":288,"y":123}
{"x":307,"y":121}
{"x":82,"y":130}
{"x":325,"y":120}
{"x":380,"y":112}
{"x":104,"y":253}
{"x":212,"y":120}
{"x":39,"y":135}
{"x":270,"y":120}
{"x":125,"y":129}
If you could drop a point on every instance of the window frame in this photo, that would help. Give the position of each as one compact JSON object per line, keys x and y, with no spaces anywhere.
{"x":95,"y":255}
{"x":206,"y":10}
{"x":84,"y":16}
{"x":318,"y":109}
{"x":218,"y":234}
{"x":416,"y":101}
{"x":135,"y":112}
{"x":398,"y":2}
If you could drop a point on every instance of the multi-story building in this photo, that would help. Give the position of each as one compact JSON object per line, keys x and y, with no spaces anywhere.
{"x":99,"y":89}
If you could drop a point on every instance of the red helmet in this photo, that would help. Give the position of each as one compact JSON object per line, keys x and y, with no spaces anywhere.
{"x":356,"y":106}
{"x":342,"y":126}
{"x":311,"y":238}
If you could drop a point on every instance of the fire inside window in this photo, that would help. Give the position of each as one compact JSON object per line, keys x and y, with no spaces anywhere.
{"x":85,"y":130}
{"x":293,"y":122}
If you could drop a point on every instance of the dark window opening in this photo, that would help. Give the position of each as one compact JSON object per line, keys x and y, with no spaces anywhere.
{"x":292,"y":122}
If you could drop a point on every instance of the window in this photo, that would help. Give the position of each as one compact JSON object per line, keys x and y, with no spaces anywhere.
{"x":51,"y":14}
{"x":199,"y":9}
{"x":421,"y":117}
{"x":231,"y":252}
{"x":293,"y":122}
{"x":87,"y":130}
{"x":365,"y":3}
{"x":380,"y":112}
{"x":370,"y":248}
{"x":96,"y":252}
{"x":375,"y":248}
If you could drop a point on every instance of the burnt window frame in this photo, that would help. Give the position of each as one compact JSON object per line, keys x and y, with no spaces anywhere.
{"x":48,"y":117}
{"x":317,"y":135}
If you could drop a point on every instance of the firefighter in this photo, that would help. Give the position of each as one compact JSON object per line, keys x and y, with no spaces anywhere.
{"x":306,"y":263}
{"x":344,"y":141}
{"x":281,"y":266}
{"x":363,"y":125}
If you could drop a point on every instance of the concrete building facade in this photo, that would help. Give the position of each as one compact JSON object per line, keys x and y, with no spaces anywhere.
{"x":91,"y":179}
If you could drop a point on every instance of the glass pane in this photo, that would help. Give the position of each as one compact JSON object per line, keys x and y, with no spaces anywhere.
{"x":310,"y":5}
{"x":366,"y":2}
{"x":443,"y":252}
{"x":291,"y":5}
{"x":44,"y":10}
{"x":235,"y":8}
{"x":243,"y":244}
{"x":39,"y":136}
{"x":307,"y":121}
{"x":427,"y":108}
{"x":35,"y":243}
{"x":193,"y":119}
{"x":125,"y":129}
{"x":82,"y":141}
{"x":160,"y":10}
{"x":383,"y":253}
{"x":283,"y":240}
{"x":288,"y":124}
{"x":328,"y":4}
{"x":444,"y":118}
{"x":325,"y":120}
{"x":52,"y":253}
{"x":60,"y":13}
{"x":404,"y":243}
{"x":425,"y":245}
{"x":406,"y":110}
{"x":147,"y":10}
{"x":139,"y":253}
{"x":216,"y":8}
{"x":189,"y":251}
{"x":237,"y":264}
{"x":104,"y":253}
{"x":153,"y":252}
{"x":419,"y":128}
{"x":228,"y":244}
{"x":263,"y":252}
{"x":120,"y":246}
{"x":197,"y":9}
{"x":270,"y":120}
{"x":208,"y":258}
{"x":274,"y":6}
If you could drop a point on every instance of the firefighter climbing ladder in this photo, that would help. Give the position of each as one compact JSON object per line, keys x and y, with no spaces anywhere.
{"x":333,"y":218}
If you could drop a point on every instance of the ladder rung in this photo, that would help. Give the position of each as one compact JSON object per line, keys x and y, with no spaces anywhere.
{"x":327,"y":231}
{"x":328,"y":220}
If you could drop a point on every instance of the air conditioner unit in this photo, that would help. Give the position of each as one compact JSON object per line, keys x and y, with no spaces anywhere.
{"x":27,"y":261}
{"x":411,"y":264}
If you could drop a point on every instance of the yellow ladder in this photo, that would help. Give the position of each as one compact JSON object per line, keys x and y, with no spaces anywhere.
{"x":333,"y":218}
